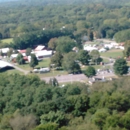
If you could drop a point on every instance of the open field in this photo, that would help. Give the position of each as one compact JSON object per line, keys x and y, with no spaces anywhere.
{"x":12,"y":71}
{"x":9,"y":40}
{"x":114,"y":53}
{"x":44,"y":63}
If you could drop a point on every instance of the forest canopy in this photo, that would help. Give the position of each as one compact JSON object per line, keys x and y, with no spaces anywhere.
{"x":28,"y":103}
{"x":103,"y":18}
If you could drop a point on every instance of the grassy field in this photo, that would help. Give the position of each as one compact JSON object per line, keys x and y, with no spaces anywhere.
{"x":114,"y":53}
{"x":43,"y":63}
{"x":12,"y":71}
{"x":9,"y":40}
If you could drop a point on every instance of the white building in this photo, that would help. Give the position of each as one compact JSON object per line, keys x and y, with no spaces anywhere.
{"x":109,"y":46}
{"x":39,"y":48}
{"x":4,"y":64}
{"x":89,"y":48}
{"x":4,"y":50}
{"x":43,"y":53}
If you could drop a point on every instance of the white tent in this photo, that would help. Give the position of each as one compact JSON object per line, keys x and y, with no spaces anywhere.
{"x":4,"y":64}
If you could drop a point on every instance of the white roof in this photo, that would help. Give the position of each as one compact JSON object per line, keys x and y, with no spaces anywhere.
{"x":39,"y":48}
{"x":43,"y":53}
{"x":89,"y":48}
{"x":4,"y":64}
{"x":4,"y":50}
{"x":14,"y":55}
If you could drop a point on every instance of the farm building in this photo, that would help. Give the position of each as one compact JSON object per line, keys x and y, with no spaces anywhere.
{"x":39,"y":48}
{"x":5,"y":65}
{"x":4,"y":50}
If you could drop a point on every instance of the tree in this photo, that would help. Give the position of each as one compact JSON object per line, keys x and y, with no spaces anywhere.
{"x":53,"y":82}
{"x":53,"y":117}
{"x":95,"y":56}
{"x":10,"y":52}
{"x":28,"y":51}
{"x":57,"y":59}
{"x":70,"y":64}
{"x":127,"y":49}
{"x":90,"y":71}
{"x":1,"y":53}
{"x":83,"y":57}
{"x":65,"y":44}
{"x":34,"y":61}
{"x":90,"y":35}
{"x":20,"y":59}
{"x":48,"y":126}
{"x":52,"y":43}
{"x":23,"y":122}
{"x":100,"y":116}
{"x":120,"y":67}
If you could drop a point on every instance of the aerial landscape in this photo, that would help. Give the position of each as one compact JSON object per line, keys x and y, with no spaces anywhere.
{"x":64,"y":64}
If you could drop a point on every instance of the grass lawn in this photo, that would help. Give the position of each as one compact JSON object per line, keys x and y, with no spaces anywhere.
{"x":12,"y":71}
{"x":52,"y":73}
{"x":114,"y":53}
{"x":44,"y":63}
{"x":9,"y":40}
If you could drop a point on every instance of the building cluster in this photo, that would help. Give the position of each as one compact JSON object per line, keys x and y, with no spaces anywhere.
{"x":103,"y":46}
{"x":40,"y":52}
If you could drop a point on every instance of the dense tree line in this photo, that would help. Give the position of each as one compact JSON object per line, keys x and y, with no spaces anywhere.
{"x":28,"y":103}
{"x":85,"y":18}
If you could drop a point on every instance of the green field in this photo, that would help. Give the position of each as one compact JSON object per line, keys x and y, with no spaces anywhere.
{"x":115,"y":53}
{"x":12,"y":71}
{"x":9,"y":40}
{"x":43,"y":63}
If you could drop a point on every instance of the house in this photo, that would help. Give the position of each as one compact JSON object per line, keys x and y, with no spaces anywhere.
{"x":122,"y":47}
{"x":39,"y":48}
{"x":89,"y":48}
{"x":109,"y":46}
{"x":4,"y":50}
{"x":43,"y":53}
{"x":22,"y":51}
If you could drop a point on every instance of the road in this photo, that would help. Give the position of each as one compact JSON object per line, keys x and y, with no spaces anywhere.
{"x":67,"y":78}
{"x":24,"y":71}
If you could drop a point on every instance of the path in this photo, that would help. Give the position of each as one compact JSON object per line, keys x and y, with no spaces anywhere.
{"x":24,"y":71}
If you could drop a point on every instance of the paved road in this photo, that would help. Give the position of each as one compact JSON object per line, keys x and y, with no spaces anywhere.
{"x":67,"y":78}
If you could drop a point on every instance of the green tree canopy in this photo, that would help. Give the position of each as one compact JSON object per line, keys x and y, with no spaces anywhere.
{"x":56,"y":59}
{"x":20,"y":59}
{"x":120,"y":66}
{"x":52,"y":43}
{"x":90,"y":71}
{"x":34,"y":61}
{"x":70,"y":64}
{"x":28,"y":51}
{"x":127,"y":49}
{"x":95,"y":56}
{"x":84,"y":57}
{"x":65,"y":44}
